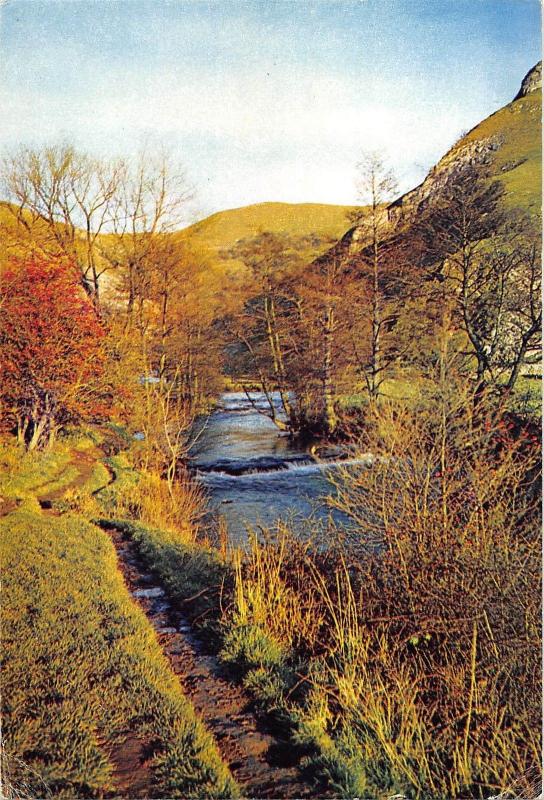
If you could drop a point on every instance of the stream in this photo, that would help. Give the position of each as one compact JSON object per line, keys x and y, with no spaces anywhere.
{"x":256,"y":475}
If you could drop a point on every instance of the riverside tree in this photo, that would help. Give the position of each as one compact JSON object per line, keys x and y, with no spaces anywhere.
{"x":376,"y":184}
{"x":51,"y":346}
{"x":489,"y":259}
{"x":262,"y":327}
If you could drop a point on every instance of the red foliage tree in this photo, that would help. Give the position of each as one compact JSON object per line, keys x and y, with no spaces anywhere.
{"x":51,"y":350}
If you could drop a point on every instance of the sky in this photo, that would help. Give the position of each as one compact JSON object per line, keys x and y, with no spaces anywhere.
{"x":262,"y":99}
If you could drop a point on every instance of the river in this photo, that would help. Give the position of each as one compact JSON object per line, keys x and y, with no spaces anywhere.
{"x":256,"y":475}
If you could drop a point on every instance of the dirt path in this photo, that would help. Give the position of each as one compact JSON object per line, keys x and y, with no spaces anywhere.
{"x":84,"y":462}
{"x":263,"y":765}
{"x":258,"y":761}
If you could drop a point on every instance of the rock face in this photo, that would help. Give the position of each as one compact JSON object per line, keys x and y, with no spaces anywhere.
{"x":471,"y":148}
{"x":531,"y":82}
{"x":508,"y":140}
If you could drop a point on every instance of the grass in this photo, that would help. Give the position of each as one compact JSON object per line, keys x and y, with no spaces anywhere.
{"x":81,"y":664}
{"x":524,"y":401}
{"x":24,"y":475}
{"x":224,"y":228}
{"x":519,"y":160}
{"x":82,"y":668}
{"x":400,"y":389}
{"x":51,"y":472}
{"x":392,"y":674}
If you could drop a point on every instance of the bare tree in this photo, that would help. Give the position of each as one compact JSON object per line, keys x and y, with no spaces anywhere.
{"x":261,"y":328}
{"x":376,"y":184}
{"x":151,"y":202}
{"x":68,"y":196}
{"x":489,"y":258}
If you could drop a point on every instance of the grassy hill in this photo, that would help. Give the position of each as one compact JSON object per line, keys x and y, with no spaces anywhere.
{"x":513,"y":138}
{"x":518,"y":159}
{"x":223,"y":229}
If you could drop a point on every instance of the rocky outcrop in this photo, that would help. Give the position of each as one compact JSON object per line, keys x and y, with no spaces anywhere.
{"x":462,"y":153}
{"x":481,"y":145}
{"x":531,"y":82}
{"x":466,"y":151}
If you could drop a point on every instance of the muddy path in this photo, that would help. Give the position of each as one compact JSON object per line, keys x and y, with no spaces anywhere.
{"x":262,"y":765}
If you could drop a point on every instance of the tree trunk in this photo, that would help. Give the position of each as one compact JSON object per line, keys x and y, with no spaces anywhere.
{"x":22,"y":428}
{"x":52,"y":435}
{"x":330,"y":418}
{"x":376,"y":322}
{"x":37,"y":433}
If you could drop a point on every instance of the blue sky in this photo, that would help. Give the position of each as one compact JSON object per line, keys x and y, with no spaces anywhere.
{"x":268,"y":99}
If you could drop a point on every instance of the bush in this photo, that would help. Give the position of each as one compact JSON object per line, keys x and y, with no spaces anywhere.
{"x":248,"y":646}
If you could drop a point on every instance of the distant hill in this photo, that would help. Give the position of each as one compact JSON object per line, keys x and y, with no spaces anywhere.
{"x":222,"y":230}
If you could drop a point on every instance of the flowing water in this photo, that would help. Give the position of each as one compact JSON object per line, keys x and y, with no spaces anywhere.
{"x":256,"y":475}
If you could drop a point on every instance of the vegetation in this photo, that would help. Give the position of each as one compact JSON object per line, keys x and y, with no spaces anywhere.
{"x":403,"y":657}
{"x":82,"y":670}
{"x":516,"y":129}
{"x":52,"y":354}
{"x":371,"y":311}
{"x":218,"y":233}
{"x":395,"y":664}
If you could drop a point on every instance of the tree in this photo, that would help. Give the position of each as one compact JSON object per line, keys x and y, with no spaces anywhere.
{"x":150,"y":204}
{"x":376,"y":185}
{"x":321,"y":327}
{"x":489,"y":259}
{"x":51,"y":344}
{"x":69,"y":198}
{"x":261,"y":328}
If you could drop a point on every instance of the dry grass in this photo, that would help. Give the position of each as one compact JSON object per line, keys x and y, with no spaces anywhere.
{"x":420,"y":659}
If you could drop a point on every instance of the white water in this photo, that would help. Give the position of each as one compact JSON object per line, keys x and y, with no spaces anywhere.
{"x":274,"y":479}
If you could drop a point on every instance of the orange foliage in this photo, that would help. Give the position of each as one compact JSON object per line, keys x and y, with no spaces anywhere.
{"x":51,"y":348}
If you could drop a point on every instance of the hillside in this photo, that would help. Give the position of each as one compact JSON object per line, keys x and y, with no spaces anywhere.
{"x":223,"y":229}
{"x":513,"y":138}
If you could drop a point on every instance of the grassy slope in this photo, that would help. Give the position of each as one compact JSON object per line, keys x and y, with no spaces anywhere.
{"x":519,"y":159}
{"x":15,"y":238}
{"x":297,"y":219}
{"x":81,"y":664}
{"x":222,"y":230}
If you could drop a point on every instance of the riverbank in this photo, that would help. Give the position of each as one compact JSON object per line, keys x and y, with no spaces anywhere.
{"x":344,"y":650}
{"x":174,"y":578}
{"x":91,"y":706}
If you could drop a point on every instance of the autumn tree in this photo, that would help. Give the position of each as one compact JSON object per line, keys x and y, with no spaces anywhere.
{"x":321,"y":328}
{"x":51,"y":344}
{"x":151,"y":201}
{"x":262,"y":326}
{"x":65,"y":200}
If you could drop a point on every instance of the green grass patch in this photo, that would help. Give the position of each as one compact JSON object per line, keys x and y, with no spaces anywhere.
{"x":187,"y":571}
{"x":518,"y":161}
{"x":526,"y":399}
{"x":25,"y":474}
{"x":82,"y":668}
{"x":399,"y":389}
